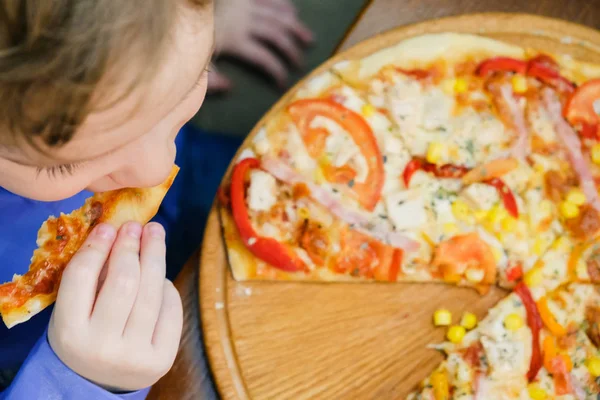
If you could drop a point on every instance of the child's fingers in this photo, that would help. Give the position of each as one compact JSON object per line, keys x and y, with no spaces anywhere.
{"x":170,"y":320}
{"x":146,"y":308}
{"x":79,"y":280}
{"x":119,"y":290}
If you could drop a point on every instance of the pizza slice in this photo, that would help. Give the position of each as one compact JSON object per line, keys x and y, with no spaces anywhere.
{"x":60,"y":237}
{"x":524,"y":349}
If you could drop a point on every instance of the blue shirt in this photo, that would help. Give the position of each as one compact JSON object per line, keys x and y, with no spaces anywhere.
{"x":203,"y":159}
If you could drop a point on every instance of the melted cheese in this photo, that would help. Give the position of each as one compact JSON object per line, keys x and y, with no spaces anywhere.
{"x":341,"y":148}
{"x":406,"y":209}
{"x":480,"y":196}
{"x":262,"y":193}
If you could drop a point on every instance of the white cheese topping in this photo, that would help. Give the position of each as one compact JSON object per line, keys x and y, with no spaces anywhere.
{"x":406,"y":209}
{"x":262,"y":193}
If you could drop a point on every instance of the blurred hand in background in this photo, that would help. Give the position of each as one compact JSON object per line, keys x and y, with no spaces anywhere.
{"x":259,"y":32}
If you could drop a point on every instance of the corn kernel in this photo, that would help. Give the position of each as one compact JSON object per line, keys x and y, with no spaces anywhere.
{"x":481,"y":214}
{"x":448,"y":86}
{"x":593,"y":366}
{"x":456,"y":333}
{"x":468,"y":320}
{"x":442,"y":317}
{"x":497,"y":214}
{"x":576,"y":196}
{"x":319,"y":176}
{"x":461,"y":210}
{"x":569,"y":210}
{"x":596,"y":153}
{"x":509,"y":224}
{"x":545,"y":207}
{"x":460,"y":85}
{"x":367,"y":110}
{"x":539,"y":168}
{"x":519,"y":84}
{"x":562,"y":244}
{"x":475,"y":275}
{"x":434,"y":152}
{"x":498,"y":254}
{"x":536,"y":392}
{"x":440,"y":385}
{"x":540,"y":245}
{"x":450,"y":228}
{"x":513,"y":322}
{"x":534,"y":277}
{"x":303,"y":213}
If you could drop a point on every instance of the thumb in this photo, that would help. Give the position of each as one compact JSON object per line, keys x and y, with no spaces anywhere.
{"x":218,"y":82}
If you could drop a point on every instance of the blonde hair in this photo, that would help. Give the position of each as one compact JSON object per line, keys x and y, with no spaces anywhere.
{"x":53,"y":54}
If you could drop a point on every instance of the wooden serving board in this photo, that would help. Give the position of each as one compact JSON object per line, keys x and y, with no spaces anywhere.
{"x":348,"y":341}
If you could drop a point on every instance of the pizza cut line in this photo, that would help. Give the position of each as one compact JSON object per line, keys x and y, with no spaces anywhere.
{"x":446,"y":158}
{"x":60,"y":237}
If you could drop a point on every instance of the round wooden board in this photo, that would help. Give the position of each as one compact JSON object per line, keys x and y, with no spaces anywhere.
{"x":348,"y":341}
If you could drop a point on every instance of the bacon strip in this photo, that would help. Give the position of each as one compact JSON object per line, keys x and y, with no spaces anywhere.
{"x":572,"y":145}
{"x":362,"y":223}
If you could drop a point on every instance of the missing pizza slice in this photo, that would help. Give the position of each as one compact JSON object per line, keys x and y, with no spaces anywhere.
{"x":60,"y":237}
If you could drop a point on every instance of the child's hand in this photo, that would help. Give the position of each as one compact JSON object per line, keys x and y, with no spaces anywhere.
{"x":117,"y":320}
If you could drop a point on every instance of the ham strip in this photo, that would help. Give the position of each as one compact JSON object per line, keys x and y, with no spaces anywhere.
{"x":572,"y":145}
{"x":360,"y":221}
{"x":508,"y":106}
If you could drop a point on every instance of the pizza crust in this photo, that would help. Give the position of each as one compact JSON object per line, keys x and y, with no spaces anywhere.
{"x":421,"y":50}
{"x":114,"y":207}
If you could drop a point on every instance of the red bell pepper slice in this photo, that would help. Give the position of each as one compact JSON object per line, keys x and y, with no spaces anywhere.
{"x":304,"y":111}
{"x":458,"y":171}
{"x":508,"y":199}
{"x":580,"y":109}
{"x":562,"y":378}
{"x":514,"y":273}
{"x":442,"y":171}
{"x":550,"y":76}
{"x":413,"y":166}
{"x":267,"y":249}
{"x":545,"y":60}
{"x":501,"y":64}
{"x":534,"y":321}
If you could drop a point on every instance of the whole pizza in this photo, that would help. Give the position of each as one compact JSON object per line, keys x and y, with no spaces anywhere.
{"x":446,"y":158}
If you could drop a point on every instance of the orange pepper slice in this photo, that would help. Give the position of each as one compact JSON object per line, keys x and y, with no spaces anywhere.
{"x":548,"y":318}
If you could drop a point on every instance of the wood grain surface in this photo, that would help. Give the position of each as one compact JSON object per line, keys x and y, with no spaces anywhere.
{"x":281,"y":340}
{"x":190,"y":378}
{"x":383,"y":15}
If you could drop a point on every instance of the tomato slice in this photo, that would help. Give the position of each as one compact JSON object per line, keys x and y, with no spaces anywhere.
{"x":360,"y":255}
{"x":562,"y":378}
{"x":304,"y":111}
{"x":584,"y":107}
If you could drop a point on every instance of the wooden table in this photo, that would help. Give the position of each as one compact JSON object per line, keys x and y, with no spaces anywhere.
{"x":190,"y":378}
{"x":382,"y":15}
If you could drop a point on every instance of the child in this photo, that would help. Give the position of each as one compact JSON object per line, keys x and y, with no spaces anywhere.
{"x":93,"y":94}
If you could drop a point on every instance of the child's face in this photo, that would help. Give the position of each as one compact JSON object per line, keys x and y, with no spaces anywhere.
{"x":130,"y":144}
